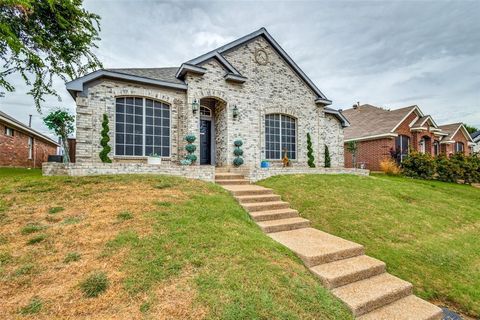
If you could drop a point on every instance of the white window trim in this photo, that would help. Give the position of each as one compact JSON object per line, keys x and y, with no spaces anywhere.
{"x":281,"y":151}
{"x":30,"y":148}
{"x":132,"y":157}
{"x":9,"y":132}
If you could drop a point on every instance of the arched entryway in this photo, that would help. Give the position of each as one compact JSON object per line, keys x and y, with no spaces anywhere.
{"x":425,"y":145}
{"x":213,"y":131}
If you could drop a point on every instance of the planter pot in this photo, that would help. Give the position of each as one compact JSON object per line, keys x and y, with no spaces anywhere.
{"x":154,"y":160}
{"x":264,"y":164}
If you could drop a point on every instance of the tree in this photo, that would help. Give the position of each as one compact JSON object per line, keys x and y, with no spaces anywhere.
{"x":40,"y":39}
{"x":352,"y":147}
{"x":62,"y":124}
{"x":105,"y":140}
{"x":311,"y":158}
{"x":327,"y":157}
{"x":470,"y":129}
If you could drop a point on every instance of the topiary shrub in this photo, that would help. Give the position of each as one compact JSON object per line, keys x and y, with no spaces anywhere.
{"x":418,"y":165}
{"x":105,"y":140}
{"x":311,"y":158}
{"x":190,"y":148}
{"x":190,"y":138}
{"x":327,"y":157}
{"x":191,"y":157}
{"x":238,"y":152}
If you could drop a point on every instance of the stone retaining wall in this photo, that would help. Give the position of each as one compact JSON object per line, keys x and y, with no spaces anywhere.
{"x":256,"y":174}
{"x":206,"y":173}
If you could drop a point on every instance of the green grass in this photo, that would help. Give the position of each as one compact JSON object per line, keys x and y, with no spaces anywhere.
{"x":426,"y":231}
{"x":54,"y":210}
{"x":192,"y":241}
{"x":32,"y":228}
{"x":33,"y":307}
{"x":72,"y":257}
{"x":37,"y":239}
{"x":125,"y":215}
{"x":94,"y":285}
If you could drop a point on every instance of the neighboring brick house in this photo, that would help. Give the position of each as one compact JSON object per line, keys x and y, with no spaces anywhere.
{"x":249,"y":89}
{"x":21,"y":146}
{"x":476,"y":141}
{"x":383,"y":134}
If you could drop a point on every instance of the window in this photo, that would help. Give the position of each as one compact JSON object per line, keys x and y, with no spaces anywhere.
{"x":9,"y":131}
{"x":142,"y":127}
{"x":401,"y":147}
{"x":422,"y":145}
{"x":459,"y":147}
{"x":204,"y":111}
{"x":30,"y":148}
{"x":280,"y":133}
{"x":436,"y":148}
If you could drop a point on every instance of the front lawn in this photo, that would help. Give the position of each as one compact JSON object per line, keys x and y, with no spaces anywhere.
{"x":427,"y":232}
{"x":150,"y":247}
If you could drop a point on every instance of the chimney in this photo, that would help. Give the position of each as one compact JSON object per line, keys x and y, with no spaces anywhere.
{"x":29,"y":120}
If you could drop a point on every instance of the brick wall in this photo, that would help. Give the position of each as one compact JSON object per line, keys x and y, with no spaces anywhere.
{"x":458,"y":137}
{"x":371,"y":152}
{"x":14,"y":150}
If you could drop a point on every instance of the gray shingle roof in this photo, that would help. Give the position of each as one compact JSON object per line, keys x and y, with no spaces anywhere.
{"x":451,"y":129}
{"x":476,"y":135}
{"x":162,"y":74}
{"x":26,"y":128}
{"x":367,"y":120}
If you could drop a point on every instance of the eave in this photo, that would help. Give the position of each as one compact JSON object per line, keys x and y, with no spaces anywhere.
{"x":374,"y":137}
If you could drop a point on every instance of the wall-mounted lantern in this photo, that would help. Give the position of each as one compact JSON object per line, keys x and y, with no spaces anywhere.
{"x":195,"y":105}
{"x":235,"y":112}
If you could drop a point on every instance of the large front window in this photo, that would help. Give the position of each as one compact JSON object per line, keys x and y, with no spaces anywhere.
{"x":459,"y":147}
{"x":142,"y":127}
{"x":280,"y":137}
{"x":402,"y":144}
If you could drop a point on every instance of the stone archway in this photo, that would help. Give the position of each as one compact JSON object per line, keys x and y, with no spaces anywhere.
{"x":213,"y":131}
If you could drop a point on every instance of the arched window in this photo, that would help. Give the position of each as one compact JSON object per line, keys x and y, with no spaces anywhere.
{"x":459,"y":147}
{"x":142,"y":127}
{"x":204,"y":111}
{"x":280,"y":135}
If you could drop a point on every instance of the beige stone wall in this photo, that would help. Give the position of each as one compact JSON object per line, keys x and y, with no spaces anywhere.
{"x":99,"y":98}
{"x":270,"y":88}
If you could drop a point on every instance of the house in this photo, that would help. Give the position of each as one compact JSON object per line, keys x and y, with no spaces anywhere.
{"x":476,"y":140}
{"x":22,"y":146}
{"x":248,"y":90}
{"x":382,"y":133}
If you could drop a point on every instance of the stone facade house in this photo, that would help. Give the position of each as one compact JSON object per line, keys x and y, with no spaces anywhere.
{"x":248,"y":90}
{"x":381,"y":134}
{"x":22,"y":146}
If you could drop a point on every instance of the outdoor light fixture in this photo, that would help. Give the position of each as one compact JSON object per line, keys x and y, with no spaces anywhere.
{"x":195,"y":105}
{"x":235,"y":112}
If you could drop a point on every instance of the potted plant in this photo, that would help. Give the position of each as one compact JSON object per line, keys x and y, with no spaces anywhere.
{"x":154,"y":159}
{"x":264,"y":164}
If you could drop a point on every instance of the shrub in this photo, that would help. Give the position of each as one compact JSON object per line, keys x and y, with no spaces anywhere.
{"x":190,"y":138}
{"x":34,"y":306}
{"x":238,"y":143}
{"x":191,"y":157}
{"x":389,"y":167}
{"x":72,"y":257}
{"x":237,"y":161}
{"x":105,"y":140}
{"x":327,"y":157}
{"x":468,"y":167}
{"x":238,"y":152}
{"x":311,"y":158}
{"x":94,"y":285}
{"x":190,"y":148}
{"x":418,"y":165}
{"x":447,"y":170}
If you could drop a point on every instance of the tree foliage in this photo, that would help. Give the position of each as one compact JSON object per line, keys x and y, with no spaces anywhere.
{"x":470,"y":129}
{"x":61,"y":123}
{"x":40,"y":39}
{"x":352,"y":147}
{"x":105,"y":140}
{"x":311,"y":158}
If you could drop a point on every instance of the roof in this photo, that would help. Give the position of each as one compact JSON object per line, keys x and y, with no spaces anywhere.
{"x":421,"y":121}
{"x":15,"y":123}
{"x":161,"y":74}
{"x":452,"y":129}
{"x":476,"y":136}
{"x":370,"y":121}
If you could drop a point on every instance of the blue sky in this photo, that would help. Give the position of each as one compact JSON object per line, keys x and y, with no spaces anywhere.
{"x":391,"y":54}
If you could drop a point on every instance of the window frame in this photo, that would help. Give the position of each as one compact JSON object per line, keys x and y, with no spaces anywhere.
{"x":402,"y":154}
{"x":143,"y":156}
{"x":8,"y":129}
{"x":458,"y":143}
{"x":30,"y":148}
{"x":295,"y":121}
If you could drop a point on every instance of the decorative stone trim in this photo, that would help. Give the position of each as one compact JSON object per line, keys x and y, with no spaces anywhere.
{"x":256,"y":174}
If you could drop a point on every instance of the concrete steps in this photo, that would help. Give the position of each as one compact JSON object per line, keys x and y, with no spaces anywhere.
{"x":407,"y":308}
{"x":367,"y":295}
{"x":359,"y":281}
{"x":342,"y":272}
{"x":283,"y":224}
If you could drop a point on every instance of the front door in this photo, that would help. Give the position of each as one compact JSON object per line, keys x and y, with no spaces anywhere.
{"x":205,"y":141}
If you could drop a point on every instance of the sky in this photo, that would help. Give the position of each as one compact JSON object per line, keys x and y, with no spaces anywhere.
{"x":386,"y":53}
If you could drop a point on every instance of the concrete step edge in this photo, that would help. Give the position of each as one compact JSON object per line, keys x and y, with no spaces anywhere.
{"x":283,"y":224}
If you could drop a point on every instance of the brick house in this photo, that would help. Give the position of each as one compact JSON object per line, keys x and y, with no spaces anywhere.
{"x":383,"y":134}
{"x":22,"y":146}
{"x":476,"y":141}
{"x":249,"y":89}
